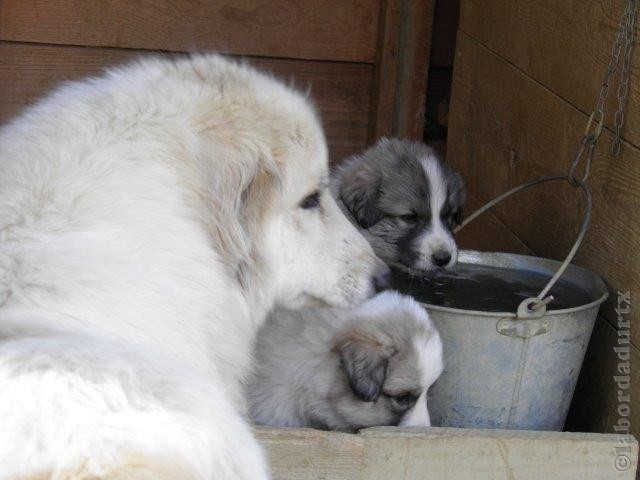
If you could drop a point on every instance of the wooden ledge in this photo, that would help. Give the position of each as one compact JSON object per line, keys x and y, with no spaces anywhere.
{"x":387,"y":453}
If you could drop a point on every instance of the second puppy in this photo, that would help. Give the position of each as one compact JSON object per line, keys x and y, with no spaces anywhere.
{"x":346,"y":370}
{"x":405,"y":201}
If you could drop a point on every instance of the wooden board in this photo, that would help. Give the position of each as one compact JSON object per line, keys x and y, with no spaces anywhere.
{"x":487,"y":233}
{"x":341,"y":90}
{"x":445,"y":26}
{"x":386,"y":70}
{"x":384,"y":43}
{"x":342,"y":30}
{"x":413,"y":68}
{"x":506,"y":128}
{"x":442,"y":454}
{"x":401,"y":69}
{"x":565,"y":45}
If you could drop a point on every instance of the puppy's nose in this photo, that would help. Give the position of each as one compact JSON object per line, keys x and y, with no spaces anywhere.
{"x":382,"y":279}
{"x":441,"y":258}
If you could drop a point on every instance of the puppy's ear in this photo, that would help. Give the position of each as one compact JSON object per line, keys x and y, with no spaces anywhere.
{"x":456,"y":194}
{"x":359,"y":191}
{"x":364,"y":358}
{"x":458,"y":216}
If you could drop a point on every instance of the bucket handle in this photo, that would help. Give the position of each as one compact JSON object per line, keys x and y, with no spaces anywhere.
{"x":536,"y":307}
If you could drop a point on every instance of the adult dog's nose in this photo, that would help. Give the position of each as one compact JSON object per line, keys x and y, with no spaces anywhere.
{"x":441,"y":258}
{"x":382,"y":279}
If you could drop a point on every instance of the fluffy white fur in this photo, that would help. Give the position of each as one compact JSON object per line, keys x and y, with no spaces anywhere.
{"x":314,"y":365}
{"x":149,"y":220}
{"x":437,"y":237}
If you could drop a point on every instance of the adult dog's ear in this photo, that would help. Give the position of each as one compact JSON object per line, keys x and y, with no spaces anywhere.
{"x":359,"y":191}
{"x":364,"y":356}
{"x":241,"y":192}
{"x":256,"y":200}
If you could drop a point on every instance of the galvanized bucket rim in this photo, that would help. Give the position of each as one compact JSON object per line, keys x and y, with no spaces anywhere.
{"x":552,"y":264}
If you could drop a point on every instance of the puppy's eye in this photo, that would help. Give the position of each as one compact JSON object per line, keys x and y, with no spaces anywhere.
{"x":404,"y":402}
{"x":311,"y":201}
{"x":409,"y":218}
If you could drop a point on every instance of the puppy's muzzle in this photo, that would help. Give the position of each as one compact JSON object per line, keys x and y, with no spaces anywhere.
{"x":441,"y":258}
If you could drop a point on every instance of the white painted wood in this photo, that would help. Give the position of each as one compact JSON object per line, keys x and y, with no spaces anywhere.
{"x":388,"y":453}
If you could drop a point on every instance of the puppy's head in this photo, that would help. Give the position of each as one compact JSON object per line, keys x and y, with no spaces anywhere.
{"x":390,"y":355}
{"x":405,"y":200}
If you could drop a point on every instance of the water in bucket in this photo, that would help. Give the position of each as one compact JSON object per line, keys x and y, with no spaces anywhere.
{"x":502,"y":371}
{"x":487,"y":288}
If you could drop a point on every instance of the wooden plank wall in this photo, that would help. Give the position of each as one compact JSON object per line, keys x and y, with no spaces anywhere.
{"x":445,"y":27}
{"x":345,"y":51}
{"x":526,"y":77}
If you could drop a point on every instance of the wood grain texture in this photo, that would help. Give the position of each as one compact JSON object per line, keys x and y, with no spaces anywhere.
{"x":441,"y":453}
{"x":303,"y":454}
{"x":565,"y":45}
{"x":342,"y":91}
{"x":342,"y":30}
{"x":487,"y":233}
{"x":386,"y":70}
{"x":401,"y":69}
{"x":413,"y":71}
{"x":505,"y":129}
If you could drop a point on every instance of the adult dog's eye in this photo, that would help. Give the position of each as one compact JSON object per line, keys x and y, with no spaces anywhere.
{"x":311,"y":201}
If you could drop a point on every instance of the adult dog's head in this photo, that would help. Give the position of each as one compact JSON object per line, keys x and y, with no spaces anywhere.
{"x":406,"y":202}
{"x":275,"y":221}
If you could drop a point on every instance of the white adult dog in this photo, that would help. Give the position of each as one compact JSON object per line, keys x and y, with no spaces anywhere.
{"x":149,"y":220}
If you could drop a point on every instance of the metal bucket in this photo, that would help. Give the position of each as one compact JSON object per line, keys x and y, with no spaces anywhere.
{"x":502,"y":371}
{"x":516,"y":370}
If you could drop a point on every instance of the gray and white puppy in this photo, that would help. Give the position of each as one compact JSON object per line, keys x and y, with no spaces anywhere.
{"x":346,"y":370}
{"x":405,"y":201}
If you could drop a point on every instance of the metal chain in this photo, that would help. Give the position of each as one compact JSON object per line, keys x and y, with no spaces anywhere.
{"x":624,"y":40}
{"x":623,"y":86}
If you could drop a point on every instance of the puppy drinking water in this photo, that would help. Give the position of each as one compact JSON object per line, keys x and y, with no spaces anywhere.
{"x":346,"y":369}
{"x":405,"y":201}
